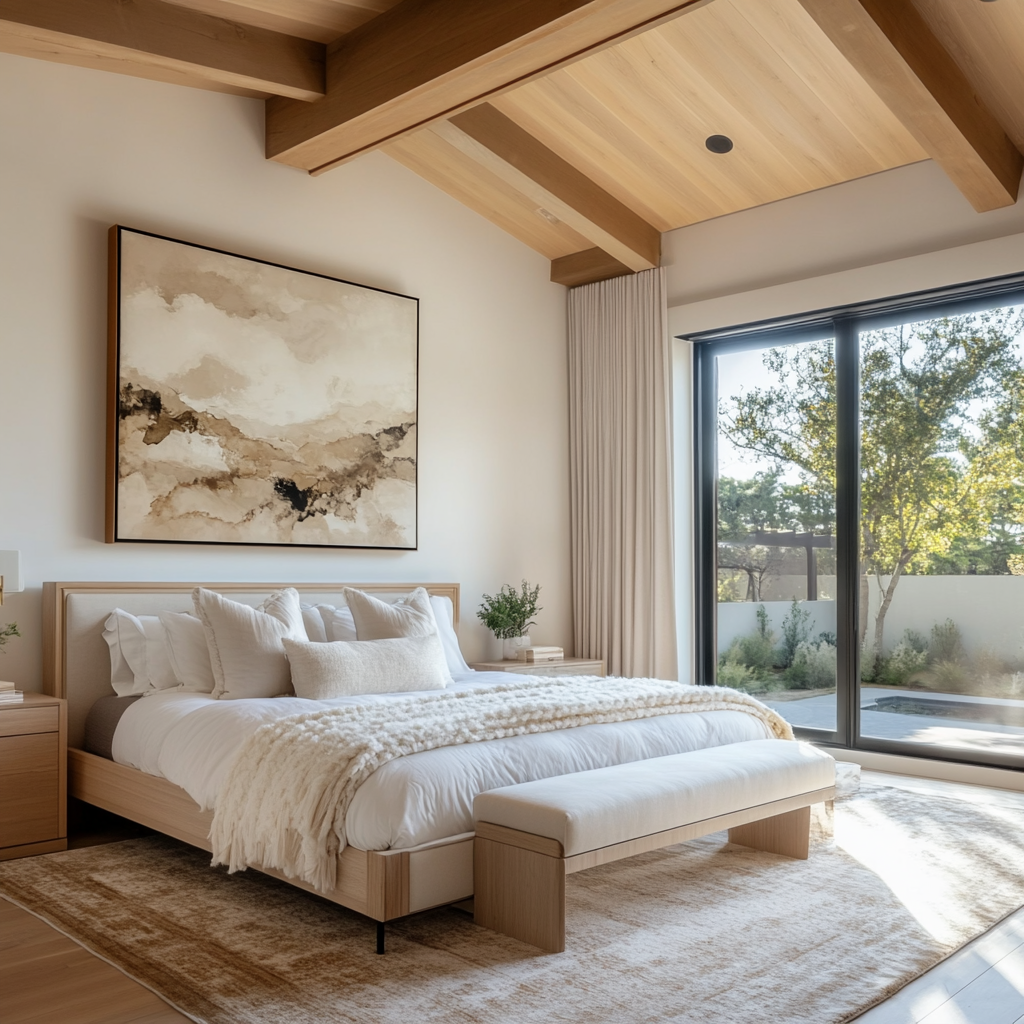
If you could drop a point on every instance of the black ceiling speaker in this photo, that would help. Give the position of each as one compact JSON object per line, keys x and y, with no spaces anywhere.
{"x":718,"y":143}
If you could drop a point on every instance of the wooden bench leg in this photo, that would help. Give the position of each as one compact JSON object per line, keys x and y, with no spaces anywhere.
{"x":519,"y":893}
{"x":786,"y":834}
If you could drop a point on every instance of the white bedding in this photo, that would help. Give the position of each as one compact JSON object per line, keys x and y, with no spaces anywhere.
{"x":191,"y":739}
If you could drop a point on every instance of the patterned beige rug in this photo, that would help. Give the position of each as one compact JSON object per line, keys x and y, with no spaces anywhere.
{"x":704,"y":932}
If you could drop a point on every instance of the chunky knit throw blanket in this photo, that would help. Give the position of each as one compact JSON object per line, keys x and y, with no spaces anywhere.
{"x":285,"y":797}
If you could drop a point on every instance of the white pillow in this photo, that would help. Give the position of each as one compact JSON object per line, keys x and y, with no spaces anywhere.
{"x":138,"y":653}
{"x":246,"y":651}
{"x":313,"y":623}
{"x":127,"y":642}
{"x":188,"y":652}
{"x":341,"y":668}
{"x":338,"y":623}
{"x":378,"y":620}
{"x":445,"y":617}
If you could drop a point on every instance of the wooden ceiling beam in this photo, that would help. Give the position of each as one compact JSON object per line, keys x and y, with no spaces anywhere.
{"x":898,"y":55}
{"x":425,"y":60}
{"x":494,"y":141}
{"x":587,"y":267}
{"x":154,"y":39}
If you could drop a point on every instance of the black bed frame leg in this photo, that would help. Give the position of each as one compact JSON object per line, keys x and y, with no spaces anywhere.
{"x":380,"y":938}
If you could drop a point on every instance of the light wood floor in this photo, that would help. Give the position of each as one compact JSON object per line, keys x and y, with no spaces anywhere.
{"x":47,"y":978}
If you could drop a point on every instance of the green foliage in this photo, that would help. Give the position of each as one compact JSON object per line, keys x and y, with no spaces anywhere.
{"x":813,"y":666}
{"x":796,"y":630}
{"x":947,"y":644}
{"x":903,"y":666}
{"x":739,"y":677}
{"x":912,"y":638}
{"x":828,"y":637}
{"x":6,"y":632}
{"x":510,"y":612}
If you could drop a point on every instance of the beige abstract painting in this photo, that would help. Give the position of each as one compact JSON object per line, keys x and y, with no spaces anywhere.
{"x":257,"y":404}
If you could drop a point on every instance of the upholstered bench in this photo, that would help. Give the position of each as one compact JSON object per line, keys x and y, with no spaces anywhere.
{"x":530,"y":836}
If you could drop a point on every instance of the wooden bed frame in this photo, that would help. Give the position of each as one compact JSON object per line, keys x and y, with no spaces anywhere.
{"x":381,"y":885}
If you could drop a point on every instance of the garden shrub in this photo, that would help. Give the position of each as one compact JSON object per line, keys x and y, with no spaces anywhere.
{"x":947,"y":644}
{"x":795,"y":631}
{"x":950,"y":677}
{"x":813,"y":667}
{"x":739,"y":677}
{"x":902,"y":665}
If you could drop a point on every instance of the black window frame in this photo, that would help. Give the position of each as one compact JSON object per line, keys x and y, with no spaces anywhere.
{"x":844,"y":325}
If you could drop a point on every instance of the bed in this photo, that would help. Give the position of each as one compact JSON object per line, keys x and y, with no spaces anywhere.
{"x":412,"y":847}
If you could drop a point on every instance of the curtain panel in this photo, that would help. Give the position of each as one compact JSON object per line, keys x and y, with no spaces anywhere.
{"x":620,"y":407}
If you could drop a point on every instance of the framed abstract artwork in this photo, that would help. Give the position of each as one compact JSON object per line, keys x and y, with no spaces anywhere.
{"x":251,"y":403}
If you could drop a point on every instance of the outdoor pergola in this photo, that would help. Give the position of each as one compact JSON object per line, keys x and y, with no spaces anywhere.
{"x":810,"y":542}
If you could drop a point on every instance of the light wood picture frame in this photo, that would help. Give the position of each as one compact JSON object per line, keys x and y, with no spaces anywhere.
{"x":253,"y":403}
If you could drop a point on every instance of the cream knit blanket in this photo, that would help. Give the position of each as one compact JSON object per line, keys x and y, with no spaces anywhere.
{"x":285,"y":797}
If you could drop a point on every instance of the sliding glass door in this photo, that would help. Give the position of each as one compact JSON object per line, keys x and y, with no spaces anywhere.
{"x":860,"y":511}
{"x":942,"y":534}
{"x":775,"y":522}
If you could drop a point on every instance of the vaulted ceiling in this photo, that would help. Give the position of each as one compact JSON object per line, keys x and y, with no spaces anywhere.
{"x":580,"y":126}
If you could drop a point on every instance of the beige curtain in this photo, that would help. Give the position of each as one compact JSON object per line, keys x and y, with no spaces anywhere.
{"x":620,"y":402}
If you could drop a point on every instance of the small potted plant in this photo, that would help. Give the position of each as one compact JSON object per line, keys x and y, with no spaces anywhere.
{"x":6,"y":632}
{"x":509,"y":615}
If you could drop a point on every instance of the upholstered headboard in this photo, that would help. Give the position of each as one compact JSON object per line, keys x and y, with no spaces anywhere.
{"x":76,"y":661}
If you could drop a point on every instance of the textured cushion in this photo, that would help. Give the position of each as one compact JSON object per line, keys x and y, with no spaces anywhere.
{"x":344,"y":667}
{"x":589,"y":810}
{"x":246,"y":650}
{"x":378,"y":620}
{"x":188,"y":652}
{"x":138,"y":653}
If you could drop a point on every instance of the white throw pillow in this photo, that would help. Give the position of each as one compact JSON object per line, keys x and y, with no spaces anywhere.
{"x":188,"y":652}
{"x":127,"y":642}
{"x":338,"y":623}
{"x":313,"y":624}
{"x":378,"y":620}
{"x":342,"y":668}
{"x":246,"y":650}
{"x":445,"y":617}
{"x":138,"y":653}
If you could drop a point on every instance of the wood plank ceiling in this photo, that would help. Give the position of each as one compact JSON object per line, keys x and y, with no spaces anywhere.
{"x":579,"y":126}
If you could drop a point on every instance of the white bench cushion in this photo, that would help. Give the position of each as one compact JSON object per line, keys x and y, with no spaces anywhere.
{"x":588,"y":810}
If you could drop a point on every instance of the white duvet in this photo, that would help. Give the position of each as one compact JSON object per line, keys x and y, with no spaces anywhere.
{"x":191,"y":739}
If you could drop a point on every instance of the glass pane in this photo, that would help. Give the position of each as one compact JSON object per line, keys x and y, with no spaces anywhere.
{"x":942,"y":533}
{"x":776,"y":525}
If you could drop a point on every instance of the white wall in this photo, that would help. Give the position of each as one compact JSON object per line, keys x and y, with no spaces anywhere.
{"x":988,"y":610}
{"x":889,"y":216}
{"x":80,"y":150}
{"x":739,"y":618}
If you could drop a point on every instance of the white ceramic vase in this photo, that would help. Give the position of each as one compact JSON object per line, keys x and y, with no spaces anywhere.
{"x":511,"y":645}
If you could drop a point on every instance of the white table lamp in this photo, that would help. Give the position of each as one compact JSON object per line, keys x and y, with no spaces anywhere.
{"x":10,"y":573}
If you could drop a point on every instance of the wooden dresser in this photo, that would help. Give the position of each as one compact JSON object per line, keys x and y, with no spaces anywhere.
{"x":565,"y":667}
{"x":33,"y":776}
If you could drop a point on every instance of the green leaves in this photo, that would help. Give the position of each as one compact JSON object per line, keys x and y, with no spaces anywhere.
{"x":509,"y":613}
{"x":6,"y":632}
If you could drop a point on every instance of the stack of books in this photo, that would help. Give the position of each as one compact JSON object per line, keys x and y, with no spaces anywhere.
{"x":8,"y":694}
{"x":535,"y":654}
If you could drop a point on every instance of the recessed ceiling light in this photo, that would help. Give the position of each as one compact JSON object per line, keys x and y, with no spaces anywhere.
{"x":718,"y":143}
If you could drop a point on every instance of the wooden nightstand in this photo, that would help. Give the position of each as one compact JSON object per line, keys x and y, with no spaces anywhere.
{"x":33,"y":776}
{"x":565,"y":667}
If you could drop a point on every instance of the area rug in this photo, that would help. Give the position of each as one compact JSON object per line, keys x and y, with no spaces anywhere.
{"x":702,"y":932}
